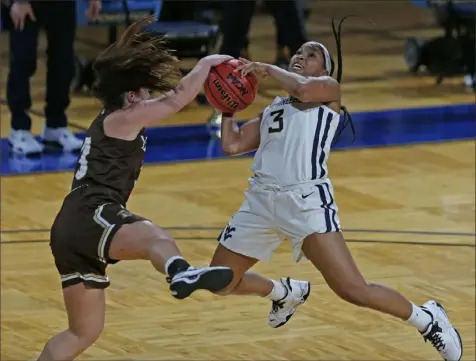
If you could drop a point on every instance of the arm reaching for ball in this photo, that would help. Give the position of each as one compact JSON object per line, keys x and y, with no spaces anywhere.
{"x":151,"y":112}
{"x":239,"y":140}
{"x":126,"y":124}
{"x":324,"y":89}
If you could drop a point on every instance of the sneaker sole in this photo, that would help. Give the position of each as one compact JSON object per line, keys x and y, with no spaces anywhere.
{"x":291,"y":315}
{"x":212,"y":279}
{"x":460,"y":342}
{"x":456,"y":330}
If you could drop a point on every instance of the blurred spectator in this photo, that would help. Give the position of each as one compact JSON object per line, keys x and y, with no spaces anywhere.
{"x":290,"y":28}
{"x":58,"y":18}
{"x":183,"y":10}
{"x":282,"y":51}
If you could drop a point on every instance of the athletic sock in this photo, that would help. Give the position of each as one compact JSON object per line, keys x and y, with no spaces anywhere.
{"x":278,"y":292}
{"x":420,"y":318}
{"x":176,"y":265}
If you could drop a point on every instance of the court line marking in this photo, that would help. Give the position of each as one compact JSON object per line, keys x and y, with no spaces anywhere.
{"x":249,"y":155}
{"x":408,"y":243}
{"x":198,"y":228}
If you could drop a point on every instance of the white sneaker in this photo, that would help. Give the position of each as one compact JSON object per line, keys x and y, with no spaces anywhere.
{"x":23,"y":142}
{"x":442,"y":335}
{"x":297,"y":293}
{"x":62,"y":138}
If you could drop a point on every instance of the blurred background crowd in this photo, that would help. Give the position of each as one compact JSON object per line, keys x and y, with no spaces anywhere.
{"x":197,"y":28}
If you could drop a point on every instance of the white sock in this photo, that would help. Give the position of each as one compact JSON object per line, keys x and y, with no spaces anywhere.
{"x":419,"y":319}
{"x":278,"y":292}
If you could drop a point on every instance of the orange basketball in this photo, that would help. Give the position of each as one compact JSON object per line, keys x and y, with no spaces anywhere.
{"x":228,"y":91}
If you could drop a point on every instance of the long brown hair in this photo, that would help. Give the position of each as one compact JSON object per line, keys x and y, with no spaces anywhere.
{"x":138,"y":59}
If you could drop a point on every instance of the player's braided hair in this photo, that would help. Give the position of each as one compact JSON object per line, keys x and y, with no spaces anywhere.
{"x":138,"y":59}
{"x":347,"y":117}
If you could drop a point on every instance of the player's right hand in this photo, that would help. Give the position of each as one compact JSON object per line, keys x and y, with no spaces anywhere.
{"x":214,"y":60}
{"x":19,"y":12}
{"x":259,"y":69}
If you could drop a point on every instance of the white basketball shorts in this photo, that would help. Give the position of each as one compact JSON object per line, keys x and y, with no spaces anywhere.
{"x":270,"y":214}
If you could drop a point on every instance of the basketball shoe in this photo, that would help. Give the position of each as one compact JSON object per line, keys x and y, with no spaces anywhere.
{"x":24,"y":143}
{"x":213,"y":279}
{"x":442,"y":335}
{"x":61,"y":138}
{"x":282,"y":310}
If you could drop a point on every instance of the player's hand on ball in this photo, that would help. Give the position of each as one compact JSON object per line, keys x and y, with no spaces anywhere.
{"x":257,"y":68}
{"x":214,"y":60}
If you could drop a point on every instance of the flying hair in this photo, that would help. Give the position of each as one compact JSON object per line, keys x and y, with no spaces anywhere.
{"x":138,"y":59}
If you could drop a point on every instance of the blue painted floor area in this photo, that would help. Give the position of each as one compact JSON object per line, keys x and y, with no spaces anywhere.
{"x":194,"y":142}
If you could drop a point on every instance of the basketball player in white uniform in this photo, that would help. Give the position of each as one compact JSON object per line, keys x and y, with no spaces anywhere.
{"x":290,"y":196}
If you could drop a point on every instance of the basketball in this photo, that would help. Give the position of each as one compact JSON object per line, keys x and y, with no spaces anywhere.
{"x":227,"y":91}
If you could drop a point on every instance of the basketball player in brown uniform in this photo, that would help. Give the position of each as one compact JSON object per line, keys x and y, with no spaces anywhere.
{"x":93,"y":227}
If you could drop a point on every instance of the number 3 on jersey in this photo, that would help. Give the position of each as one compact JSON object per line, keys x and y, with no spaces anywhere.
{"x":278,"y":121}
{"x":83,"y":162}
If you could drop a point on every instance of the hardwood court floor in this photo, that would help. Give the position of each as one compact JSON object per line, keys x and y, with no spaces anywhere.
{"x":413,"y":188}
{"x":375,"y":74}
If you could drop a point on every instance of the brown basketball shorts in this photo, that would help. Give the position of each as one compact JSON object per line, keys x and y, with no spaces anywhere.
{"x":80,"y":241}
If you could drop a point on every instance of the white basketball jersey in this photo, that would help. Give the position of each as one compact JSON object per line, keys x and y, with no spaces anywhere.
{"x":295,"y":144}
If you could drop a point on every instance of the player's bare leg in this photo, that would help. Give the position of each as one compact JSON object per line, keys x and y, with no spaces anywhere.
{"x":144,"y":240}
{"x":286,"y":295}
{"x":330,"y":255}
{"x":86,"y":312}
{"x":254,"y":284}
{"x":139,"y":240}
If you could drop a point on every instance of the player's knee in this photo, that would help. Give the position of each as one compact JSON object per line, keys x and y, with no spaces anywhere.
{"x":152,"y":240}
{"x":158,"y":235}
{"x":156,"y":243}
{"x":353,"y":292}
{"x":87,"y":334}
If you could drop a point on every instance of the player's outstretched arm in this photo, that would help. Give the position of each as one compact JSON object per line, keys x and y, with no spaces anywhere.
{"x":153,"y":111}
{"x":127,"y":123}
{"x":323,"y":89}
{"x":239,"y":140}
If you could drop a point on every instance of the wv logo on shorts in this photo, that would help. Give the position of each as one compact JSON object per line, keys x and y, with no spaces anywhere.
{"x":226,"y":233}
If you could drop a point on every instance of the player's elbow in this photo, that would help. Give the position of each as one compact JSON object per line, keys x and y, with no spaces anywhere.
{"x":303,"y":92}
{"x":181,"y":99}
{"x":318,"y":90}
{"x":230,"y":149}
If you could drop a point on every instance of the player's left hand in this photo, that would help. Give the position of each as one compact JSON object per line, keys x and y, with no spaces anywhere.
{"x":257,"y":68}
{"x":215,"y":60}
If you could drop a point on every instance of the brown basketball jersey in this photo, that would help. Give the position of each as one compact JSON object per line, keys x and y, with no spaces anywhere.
{"x":109,"y":163}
